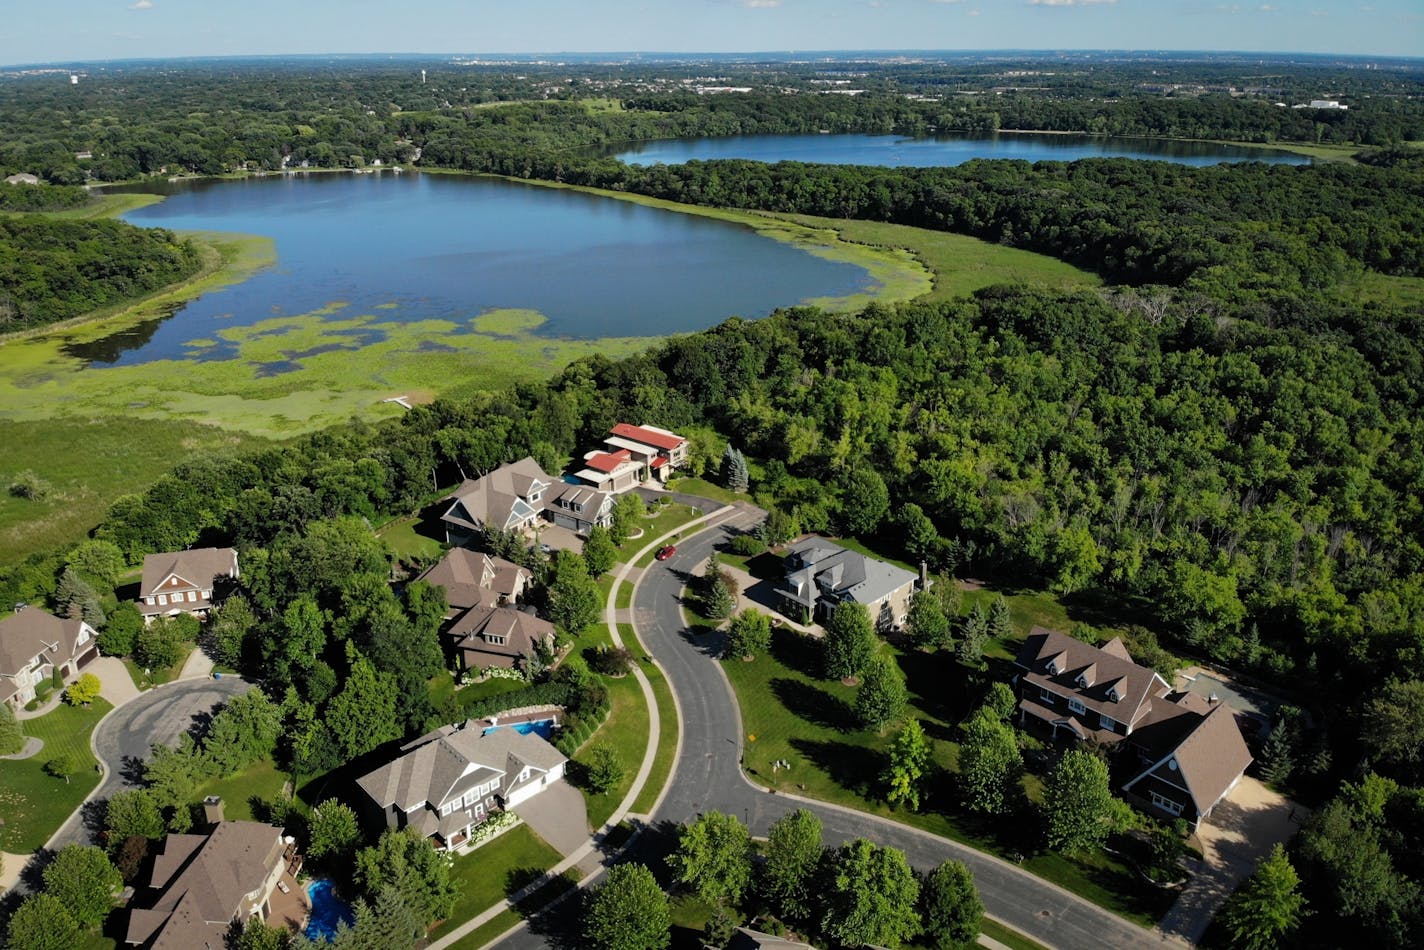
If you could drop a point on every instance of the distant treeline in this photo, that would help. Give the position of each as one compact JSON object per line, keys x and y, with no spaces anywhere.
{"x":54,"y":270}
{"x":41,"y":198}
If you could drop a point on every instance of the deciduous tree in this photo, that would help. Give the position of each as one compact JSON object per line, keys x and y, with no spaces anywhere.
{"x":1078,"y":805}
{"x":1268,"y":907}
{"x":83,"y":691}
{"x":363,"y":714}
{"x":628,"y":911}
{"x":749,"y":634}
{"x":793,"y":849}
{"x":882,"y":696}
{"x":713,"y":856}
{"x":333,"y":830}
{"x":598,"y":551}
{"x":82,"y":878}
{"x":849,"y":641}
{"x":12,"y":738}
{"x":133,"y":811}
{"x":408,"y":862}
{"x":871,"y":896}
{"x":603,"y":768}
{"x":574,"y":600}
{"x":42,"y":922}
{"x":929,"y":628}
{"x":908,"y":760}
{"x":989,"y":763}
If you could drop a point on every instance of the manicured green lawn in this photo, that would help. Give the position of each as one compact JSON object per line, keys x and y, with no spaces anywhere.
{"x":489,"y":874}
{"x":705,"y":489}
{"x":158,"y":677}
{"x":790,"y":714}
{"x":508,"y":918}
{"x":407,"y":543}
{"x":260,"y":782}
{"x":626,"y":732}
{"x":668,"y":724}
{"x":1008,"y":936}
{"x":33,"y":804}
{"x":443,"y":687}
{"x":670,"y":518}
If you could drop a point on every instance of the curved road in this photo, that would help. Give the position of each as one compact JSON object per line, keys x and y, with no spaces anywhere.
{"x":123,"y":739}
{"x":708,"y":775}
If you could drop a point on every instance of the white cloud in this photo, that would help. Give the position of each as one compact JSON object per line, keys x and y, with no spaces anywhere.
{"x":1068,"y":3}
{"x":142,"y":5}
{"x":946,"y":1}
{"x":761,"y":4}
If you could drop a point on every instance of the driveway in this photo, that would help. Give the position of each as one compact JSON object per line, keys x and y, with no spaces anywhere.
{"x":123,"y":739}
{"x":558,"y":815}
{"x":1241,"y":831}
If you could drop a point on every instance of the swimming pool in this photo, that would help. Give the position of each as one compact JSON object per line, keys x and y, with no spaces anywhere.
{"x":328,"y":911}
{"x":543,"y":728}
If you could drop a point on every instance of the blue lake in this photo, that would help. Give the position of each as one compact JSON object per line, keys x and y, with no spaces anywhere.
{"x":414,"y":247}
{"x":898,"y":151}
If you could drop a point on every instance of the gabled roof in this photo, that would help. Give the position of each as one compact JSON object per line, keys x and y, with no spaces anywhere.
{"x":520,"y":630}
{"x":591,"y":499}
{"x":649,"y":435}
{"x":203,"y":882}
{"x":472,"y":578}
{"x":1209,"y":757}
{"x":499,"y":499}
{"x":608,"y":462}
{"x":31,"y":632}
{"x":1110,"y":668}
{"x":195,"y":568}
{"x":816,"y":567}
{"x":456,"y":758}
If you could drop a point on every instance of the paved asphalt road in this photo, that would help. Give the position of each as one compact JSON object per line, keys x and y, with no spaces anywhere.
{"x":123,"y":740}
{"x":708,"y":776}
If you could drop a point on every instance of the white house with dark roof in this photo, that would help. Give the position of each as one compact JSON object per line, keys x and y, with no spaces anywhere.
{"x":821,"y":575}
{"x":1189,"y":752}
{"x":183,"y":582}
{"x":33,"y":644}
{"x":447,"y":783}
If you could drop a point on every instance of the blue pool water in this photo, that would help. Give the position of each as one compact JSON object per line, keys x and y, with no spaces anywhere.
{"x":543,"y":728}
{"x":328,"y":911}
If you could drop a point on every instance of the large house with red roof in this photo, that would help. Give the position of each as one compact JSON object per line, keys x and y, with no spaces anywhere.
{"x":1186,"y":752}
{"x":632,"y":455}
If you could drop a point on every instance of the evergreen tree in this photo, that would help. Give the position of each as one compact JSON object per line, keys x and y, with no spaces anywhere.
{"x":12,"y":738}
{"x":734,"y":470}
{"x":908,"y":760}
{"x":1268,"y":907}
{"x":75,"y":596}
{"x":882,"y":696}
{"x":1001,"y":626}
{"x":973,"y":635}
{"x":849,"y":642}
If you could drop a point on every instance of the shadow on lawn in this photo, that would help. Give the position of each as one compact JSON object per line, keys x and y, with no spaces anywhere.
{"x":852,"y":767}
{"x":816,"y":706}
{"x":797,"y":652}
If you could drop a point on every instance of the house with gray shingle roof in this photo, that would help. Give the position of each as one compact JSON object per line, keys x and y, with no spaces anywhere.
{"x":510,"y":498}
{"x":1188,"y":752}
{"x":821,"y":575}
{"x":484,"y":627}
{"x":447,"y":783}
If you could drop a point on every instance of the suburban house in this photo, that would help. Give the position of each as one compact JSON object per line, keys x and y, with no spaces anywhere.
{"x":202,"y":883}
{"x":33,"y":644}
{"x":1187,"y":751}
{"x":579,"y":507}
{"x":448,"y":782}
{"x":484,"y":627}
{"x":183,"y":582}
{"x":631,"y":455}
{"x":509,"y":498}
{"x":821,"y":575}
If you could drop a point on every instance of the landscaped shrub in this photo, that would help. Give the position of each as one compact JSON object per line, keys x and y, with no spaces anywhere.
{"x":747,"y":545}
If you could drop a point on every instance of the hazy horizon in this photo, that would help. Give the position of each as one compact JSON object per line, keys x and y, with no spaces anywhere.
{"x":100,"y":30}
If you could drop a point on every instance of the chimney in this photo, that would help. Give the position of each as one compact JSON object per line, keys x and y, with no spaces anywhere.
{"x":924,"y":575}
{"x":213,"y":809}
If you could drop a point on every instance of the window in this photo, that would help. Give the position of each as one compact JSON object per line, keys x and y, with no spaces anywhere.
{"x":1048,"y":697}
{"x":1053,"y":667}
{"x":499,"y":641}
{"x":1168,"y":805}
{"x":1114,"y":695}
{"x":192,"y":596}
{"x":1107,"y":722}
{"x":162,"y":600}
{"x":470,"y":797}
{"x":1076,"y":705}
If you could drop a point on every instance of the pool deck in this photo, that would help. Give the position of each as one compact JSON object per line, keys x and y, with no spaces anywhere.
{"x":290,"y":909}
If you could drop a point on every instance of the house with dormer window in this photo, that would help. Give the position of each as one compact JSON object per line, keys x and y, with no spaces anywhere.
{"x":445,"y":784}
{"x":510,"y":498}
{"x":184,"y":582}
{"x":1185,"y":753}
{"x":579,"y":507}
{"x":35,"y":643}
{"x":485,"y":626}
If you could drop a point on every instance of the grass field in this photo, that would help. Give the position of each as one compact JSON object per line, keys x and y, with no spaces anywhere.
{"x":33,"y":804}
{"x":960,"y":265}
{"x":1383,"y":288}
{"x":667,"y":721}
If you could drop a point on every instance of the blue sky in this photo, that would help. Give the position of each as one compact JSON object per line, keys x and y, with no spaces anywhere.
{"x":67,"y":30}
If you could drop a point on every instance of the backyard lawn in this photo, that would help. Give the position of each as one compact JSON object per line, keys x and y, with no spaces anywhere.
{"x":34,"y":804}
{"x":255,"y":785}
